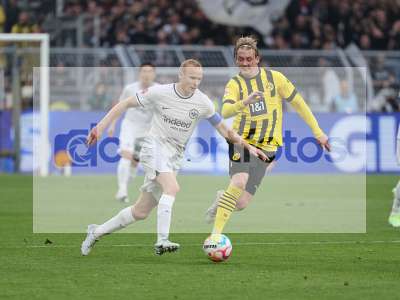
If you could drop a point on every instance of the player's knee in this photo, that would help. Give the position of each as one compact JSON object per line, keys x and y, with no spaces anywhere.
{"x":175,"y":189}
{"x":171,"y":189}
{"x":139,"y":214}
{"x":239,"y":181}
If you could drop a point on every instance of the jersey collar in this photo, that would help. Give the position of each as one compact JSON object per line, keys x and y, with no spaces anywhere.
{"x":250,"y":78}
{"x":179,"y":95}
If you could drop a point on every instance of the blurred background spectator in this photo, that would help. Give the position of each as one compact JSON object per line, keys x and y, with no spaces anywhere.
{"x":306,"y":24}
{"x":345,"y":101}
{"x":23,"y":25}
{"x":386,"y":86}
{"x":99,"y":100}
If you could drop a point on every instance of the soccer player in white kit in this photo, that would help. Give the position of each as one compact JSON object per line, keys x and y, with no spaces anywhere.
{"x":134,"y":127}
{"x":177,"y":108}
{"x":394,"y":218}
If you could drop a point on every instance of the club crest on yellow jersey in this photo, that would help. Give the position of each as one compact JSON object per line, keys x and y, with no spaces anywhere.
{"x":236,"y":156}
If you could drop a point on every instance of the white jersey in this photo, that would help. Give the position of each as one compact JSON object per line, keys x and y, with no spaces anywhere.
{"x":139,"y":116}
{"x":174,"y":116}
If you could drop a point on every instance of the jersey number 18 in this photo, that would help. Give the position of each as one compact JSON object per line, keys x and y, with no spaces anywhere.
{"x":258,"y":108}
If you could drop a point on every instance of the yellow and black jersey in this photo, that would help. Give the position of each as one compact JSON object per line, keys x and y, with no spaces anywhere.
{"x":260,"y":123}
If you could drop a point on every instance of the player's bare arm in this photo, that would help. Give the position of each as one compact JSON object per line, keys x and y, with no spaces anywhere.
{"x":230,"y":110}
{"x":111,"y":128}
{"x":234,"y":138}
{"x":110,"y":117}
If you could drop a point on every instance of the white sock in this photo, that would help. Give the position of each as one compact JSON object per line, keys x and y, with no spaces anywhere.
{"x":123,"y":171}
{"x":121,"y":220}
{"x":133,"y":172}
{"x":164,"y":212}
{"x":396,"y":200}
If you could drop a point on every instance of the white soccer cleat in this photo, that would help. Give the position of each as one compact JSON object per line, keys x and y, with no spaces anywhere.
{"x":212,"y":210}
{"x":394,"y":219}
{"x":90,"y":240}
{"x":165,"y":246}
{"x":122,"y":196}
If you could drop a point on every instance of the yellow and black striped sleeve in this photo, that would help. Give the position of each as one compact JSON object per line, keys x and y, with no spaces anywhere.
{"x":288,"y":92}
{"x":232,"y":101}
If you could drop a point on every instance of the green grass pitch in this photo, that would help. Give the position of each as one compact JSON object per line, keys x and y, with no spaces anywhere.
{"x":263,"y":266}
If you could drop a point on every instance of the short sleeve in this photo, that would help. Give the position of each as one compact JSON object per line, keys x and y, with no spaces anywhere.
{"x":231,"y":94}
{"x":146,"y":98}
{"x":285,"y":87}
{"x":210,"y":109}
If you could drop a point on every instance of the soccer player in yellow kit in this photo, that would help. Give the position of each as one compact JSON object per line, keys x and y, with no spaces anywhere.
{"x":254,"y":97}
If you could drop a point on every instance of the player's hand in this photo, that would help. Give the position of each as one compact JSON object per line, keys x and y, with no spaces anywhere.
{"x":261,"y":155}
{"x":324,"y":142}
{"x":257,"y":153}
{"x":93,"y":136}
{"x":253,"y":98}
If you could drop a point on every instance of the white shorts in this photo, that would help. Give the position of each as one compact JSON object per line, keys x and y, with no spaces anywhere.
{"x":157,"y":157}
{"x":130,"y":138}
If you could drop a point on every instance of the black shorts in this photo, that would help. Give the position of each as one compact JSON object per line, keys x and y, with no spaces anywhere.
{"x":240,"y":161}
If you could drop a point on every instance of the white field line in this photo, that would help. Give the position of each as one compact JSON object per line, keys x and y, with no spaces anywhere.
{"x":236,"y":244}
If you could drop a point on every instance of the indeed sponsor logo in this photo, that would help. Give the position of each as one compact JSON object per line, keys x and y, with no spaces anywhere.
{"x":176,"y":122}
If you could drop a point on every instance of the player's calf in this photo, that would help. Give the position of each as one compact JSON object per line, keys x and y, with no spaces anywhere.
{"x":226,"y":205}
{"x":244,"y":200}
{"x":240,"y":206}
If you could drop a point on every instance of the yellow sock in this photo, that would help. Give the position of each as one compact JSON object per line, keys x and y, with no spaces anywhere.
{"x":226,"y":205}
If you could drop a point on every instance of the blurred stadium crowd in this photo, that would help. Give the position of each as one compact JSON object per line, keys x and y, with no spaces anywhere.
{"x":306,"y":24}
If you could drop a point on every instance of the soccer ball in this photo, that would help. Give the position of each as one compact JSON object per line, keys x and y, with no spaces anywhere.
{"x":217,"y":247}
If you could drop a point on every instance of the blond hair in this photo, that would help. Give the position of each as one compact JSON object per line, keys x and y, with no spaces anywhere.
{"x":190,"y":63}
{"x":248,"y":42}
